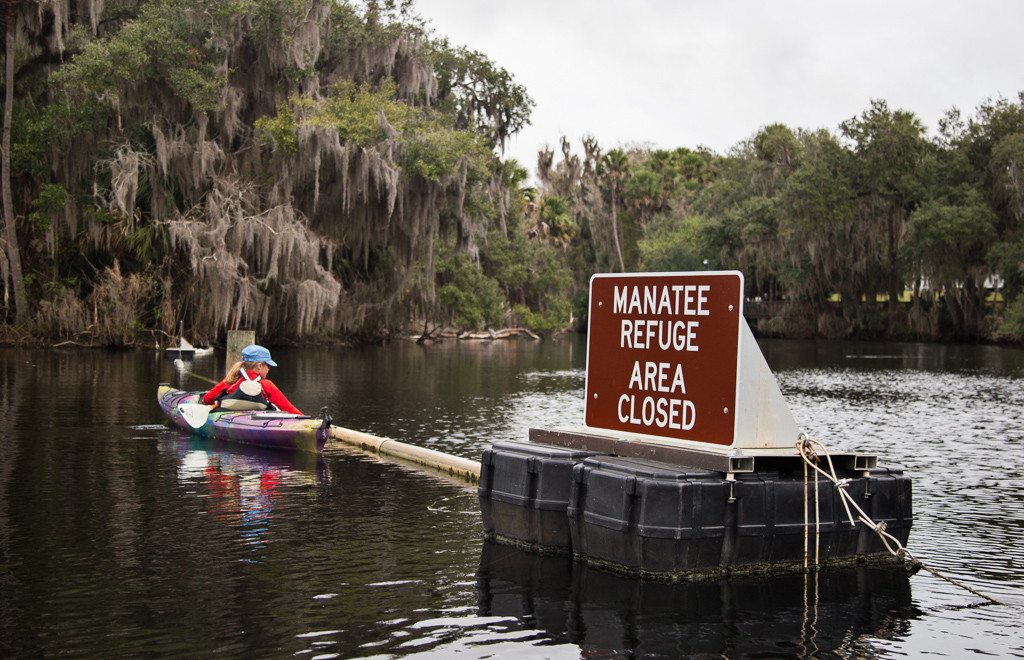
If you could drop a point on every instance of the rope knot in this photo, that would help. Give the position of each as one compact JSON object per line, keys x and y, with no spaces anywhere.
{"x":806,"y":448}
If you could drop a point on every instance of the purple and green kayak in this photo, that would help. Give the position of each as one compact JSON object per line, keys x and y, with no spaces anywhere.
{"x":264,"y":428}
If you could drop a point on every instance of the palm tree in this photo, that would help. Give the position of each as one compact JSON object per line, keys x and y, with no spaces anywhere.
{"x":614,"y":171}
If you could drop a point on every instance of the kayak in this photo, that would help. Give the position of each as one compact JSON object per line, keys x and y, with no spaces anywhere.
{"x":263,"y":428}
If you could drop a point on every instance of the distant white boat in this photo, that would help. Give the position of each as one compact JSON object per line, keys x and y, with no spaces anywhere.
{"x":186,"y":351}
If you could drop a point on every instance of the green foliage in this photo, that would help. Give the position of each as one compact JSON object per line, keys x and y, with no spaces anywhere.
{"x":1007,"y":168}
{"x":280,"y":131}
{"x":614,"y":169}
{"x":1012,"y":325}
{"x":547,"y":290}
{"x":432,"y":154}
{"x":39,"y":133}
{"x":556,"y":213}
{"x":778,"y":145}
{"x":950,"y":239}
{"x":134,"y":105}
{"x":696,"y":168}
{"x":267,"y":18}
{"x":483,"y":98}
{"x":355,"y":111}
{"x":645,"y":191}
{"x":472,"y":299}
{"x":168,"y":44}
{"x":367,"y":117}
{"x":51,"y":200}
{"x":673,"y":244}
{"x":872,"y":208}
{"x":149,"y":242}
{"x":808,"y":215}
{"x":889,"y":143}
{"x":534,"y":277}
{"x":554,"y":318}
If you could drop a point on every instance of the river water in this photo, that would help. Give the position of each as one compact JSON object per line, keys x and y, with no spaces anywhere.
{"x":120,"y":537}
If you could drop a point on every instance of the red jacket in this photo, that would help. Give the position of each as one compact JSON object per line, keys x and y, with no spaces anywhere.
{"x":270,"y":391}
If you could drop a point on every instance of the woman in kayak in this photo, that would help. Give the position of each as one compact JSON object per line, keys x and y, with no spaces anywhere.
{"x":245,"y":387}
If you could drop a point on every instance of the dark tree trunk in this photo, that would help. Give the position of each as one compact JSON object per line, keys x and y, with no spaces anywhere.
{"x":11,"y":232}
{"x":972,"y":308}
{"x":893,"y":267}
{"x":615,"y":229}
{"x":956,"y":311}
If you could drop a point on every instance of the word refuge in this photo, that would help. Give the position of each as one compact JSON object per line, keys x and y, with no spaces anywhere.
{"x":669,"y":303}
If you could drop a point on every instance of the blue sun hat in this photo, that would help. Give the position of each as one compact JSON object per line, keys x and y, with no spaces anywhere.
{"x":256,"y":353}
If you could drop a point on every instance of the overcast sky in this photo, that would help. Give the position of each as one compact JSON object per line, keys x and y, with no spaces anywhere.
{"x":688,"y":73}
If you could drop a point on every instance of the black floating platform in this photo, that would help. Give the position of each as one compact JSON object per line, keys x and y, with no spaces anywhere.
{"x":673,"y":521}
{"x":524,"y":492}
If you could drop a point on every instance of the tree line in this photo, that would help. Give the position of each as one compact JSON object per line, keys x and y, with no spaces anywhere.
{"x":319,"y":169}
{"x":875,"y":230}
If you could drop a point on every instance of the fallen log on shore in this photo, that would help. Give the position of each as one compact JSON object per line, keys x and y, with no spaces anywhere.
{"x":504,"y":333}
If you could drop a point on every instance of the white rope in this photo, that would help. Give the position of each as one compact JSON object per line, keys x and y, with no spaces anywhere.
{"x":806,"y":446}
{"x":817,"y":521}
{"x":807,"y":524}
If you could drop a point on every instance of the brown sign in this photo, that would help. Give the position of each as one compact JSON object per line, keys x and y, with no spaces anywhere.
{"x":662,"y":354}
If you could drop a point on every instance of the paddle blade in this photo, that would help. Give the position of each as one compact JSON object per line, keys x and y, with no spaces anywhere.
{"x":195,"y":414}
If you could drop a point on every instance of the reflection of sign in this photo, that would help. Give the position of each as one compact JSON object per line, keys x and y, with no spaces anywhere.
{"x":662,"y":354}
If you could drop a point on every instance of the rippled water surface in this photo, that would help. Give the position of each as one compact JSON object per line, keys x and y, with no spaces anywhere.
{"x":120,"y":537}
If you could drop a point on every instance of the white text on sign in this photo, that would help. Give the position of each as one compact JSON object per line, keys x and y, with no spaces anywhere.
{"x":678,"y":300}
{"x":646,"y":300}
{"x":673,"y":300}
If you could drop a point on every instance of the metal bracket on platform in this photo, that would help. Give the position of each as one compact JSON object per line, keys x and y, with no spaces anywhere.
{"x":727,"y":461}
{"x":607,"y":444}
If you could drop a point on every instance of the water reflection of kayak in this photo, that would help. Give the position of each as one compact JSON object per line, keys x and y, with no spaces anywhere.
{"x":197,"y":455}
{"x":263,"y":428}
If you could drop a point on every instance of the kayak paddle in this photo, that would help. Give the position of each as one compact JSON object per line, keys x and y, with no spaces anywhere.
{"x":195,"y":414}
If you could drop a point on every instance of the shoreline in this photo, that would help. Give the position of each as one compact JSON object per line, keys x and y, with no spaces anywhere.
{"x":472,"y":336}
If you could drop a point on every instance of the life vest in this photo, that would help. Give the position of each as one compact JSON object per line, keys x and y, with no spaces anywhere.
{"x":246,"y":395}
